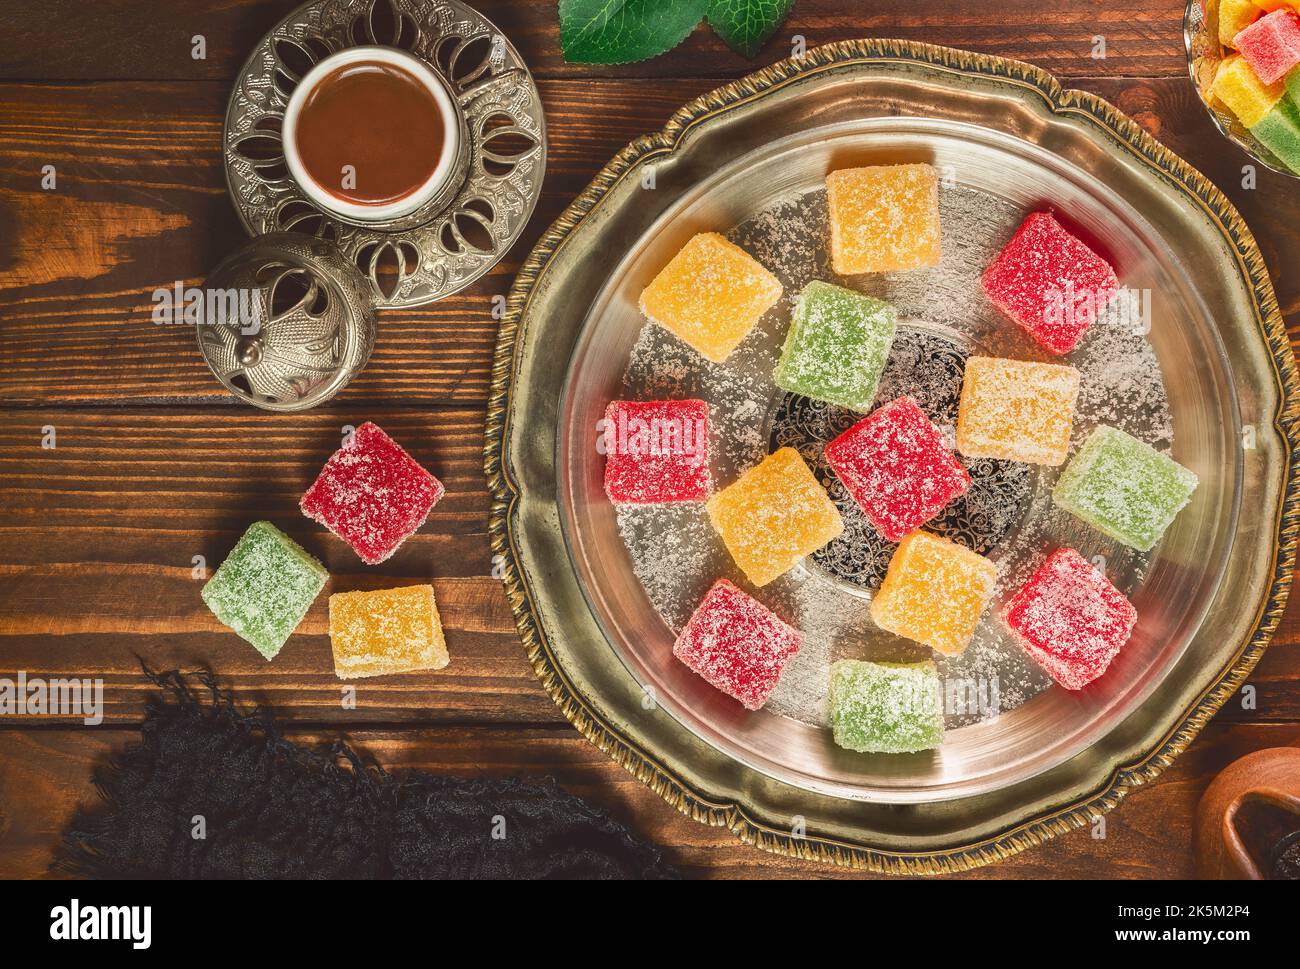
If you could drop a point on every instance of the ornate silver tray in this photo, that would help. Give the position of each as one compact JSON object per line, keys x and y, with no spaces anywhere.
{"x":501,"y":109}
{"x":1209,"y":597}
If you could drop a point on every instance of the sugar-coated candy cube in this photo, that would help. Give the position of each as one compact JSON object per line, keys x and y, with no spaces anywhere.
{"x":737,"y":645}
{"x":883,"y":218}
{"x":886,"y":708}
{"x":1279,"y":132}
{"x":656,"y":451}
{"x":934,"y":592}
{"x":773,"y":515}
{"x":264,"y":587}
{"x":1016,"y":411}
{"x":1234,"y":15}
{"x":1124,"y":488}
{"x":710,"y":295}
{"x":1244,"y":94}
{"x":386,"y":631}
{"x":372,"y":494}
{"x":838,"y":343}
{"x":1049,"y":282}
{"x":1070,"y":619}
{"x":1271,"y":45}
{"x":898,"y":468}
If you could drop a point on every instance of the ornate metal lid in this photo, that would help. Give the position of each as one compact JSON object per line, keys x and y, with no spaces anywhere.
{"x":287,"y":322}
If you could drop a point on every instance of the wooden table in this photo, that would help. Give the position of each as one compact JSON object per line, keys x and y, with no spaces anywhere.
{"x":154,"y":464}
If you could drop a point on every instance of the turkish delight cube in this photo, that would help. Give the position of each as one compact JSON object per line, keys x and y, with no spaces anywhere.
{"x":934,"y":592}
{"x":1070,"y":619}
{"x":710,"y":295}
{"x":837,"y":347}
{"x":886,"y":708}
{"x":897,"y":467}
{"x":1124,"y":488}
{"x":372,"y":494}
{"x":773,"y":515}
{"x":656,"y":451}
{"x":265,"y":587}
{"x":737,"y":645}
{"x":883,"y":218}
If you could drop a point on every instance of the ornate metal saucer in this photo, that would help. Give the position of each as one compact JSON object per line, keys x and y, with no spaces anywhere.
{"x":1209,"y":602}
{"x":502,"y":113}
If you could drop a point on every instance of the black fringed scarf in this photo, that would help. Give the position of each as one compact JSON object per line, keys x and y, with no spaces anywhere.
{"x":272,"y":809}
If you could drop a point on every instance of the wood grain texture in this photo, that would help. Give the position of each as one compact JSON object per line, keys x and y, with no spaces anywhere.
{"x":100,"y":533}
{"x":62,"y":40}
{"x":141,"y":203}
{"x":45,"y":776}
{"x":155,"y":464}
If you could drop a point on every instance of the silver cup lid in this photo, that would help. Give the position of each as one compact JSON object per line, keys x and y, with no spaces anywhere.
{"x":287,"y":322}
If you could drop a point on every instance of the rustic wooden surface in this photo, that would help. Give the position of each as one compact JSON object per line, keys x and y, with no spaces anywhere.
{"x":155,"y":465}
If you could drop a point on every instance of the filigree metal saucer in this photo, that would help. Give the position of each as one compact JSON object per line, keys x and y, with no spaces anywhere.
{"x":503,"y":115}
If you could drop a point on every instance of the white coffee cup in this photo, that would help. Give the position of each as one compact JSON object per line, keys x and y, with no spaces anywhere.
{"x":424,"y":197}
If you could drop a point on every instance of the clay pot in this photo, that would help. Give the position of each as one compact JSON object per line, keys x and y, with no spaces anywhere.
{"x":1248,"y":821}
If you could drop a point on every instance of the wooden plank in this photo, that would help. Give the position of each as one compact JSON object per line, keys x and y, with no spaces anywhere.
{"x":139,"y":39}
{"x":45,"y":776}
{"x":99,"y":536}
{"x":141,"y":203}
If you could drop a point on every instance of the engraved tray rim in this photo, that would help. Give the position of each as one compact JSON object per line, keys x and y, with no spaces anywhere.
{"x":717,"y":791}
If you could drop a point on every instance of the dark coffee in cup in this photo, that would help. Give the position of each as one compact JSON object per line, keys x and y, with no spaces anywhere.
{"x":370,"y":133}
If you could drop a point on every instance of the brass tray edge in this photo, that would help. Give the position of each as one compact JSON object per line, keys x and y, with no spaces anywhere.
{"x":1286,"y":420}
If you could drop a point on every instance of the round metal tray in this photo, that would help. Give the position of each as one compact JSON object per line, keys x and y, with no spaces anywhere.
{"x":1209,"y":599}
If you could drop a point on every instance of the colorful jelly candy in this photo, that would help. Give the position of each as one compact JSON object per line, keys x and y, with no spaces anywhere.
{"x":1279,"y":132}
{"x":898,"y":468}
{"x":774,"y":515}
{"x":1271,"y":45}
{"x":656,"y":451}
{"x":1124,"y":488}
{"x":1070,"y":619}
{"x":934,"y":592}
{"x":1235,"y":15}
{"x":838,"y":343}
{"x":710,"y":295}
{"x":386,"y":631}
{"x":1049,"y":282}
{"x":372,"y":494}
{"x":1016,"y":411}
{"x":883,"y":218}
{"x":1237,"y":87}
{"x":737,"y":644}
{"x":886,"y":708}
{"x":264,"y":587}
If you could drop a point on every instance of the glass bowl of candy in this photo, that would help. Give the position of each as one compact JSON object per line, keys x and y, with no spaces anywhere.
{"x":1244,"y":59}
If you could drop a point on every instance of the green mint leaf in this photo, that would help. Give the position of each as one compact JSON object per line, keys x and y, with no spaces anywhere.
{"x":746,"y":25}
{"x":622,"y":31}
